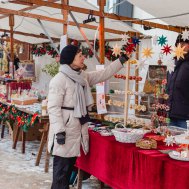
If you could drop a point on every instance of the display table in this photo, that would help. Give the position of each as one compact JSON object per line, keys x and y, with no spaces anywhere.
{"x":123,"y":166}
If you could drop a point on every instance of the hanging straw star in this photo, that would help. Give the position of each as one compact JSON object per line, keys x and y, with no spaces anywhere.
{"x":130,"y":48}
{"x":135,"y":41}
{"x":170,"y":66}
{"x":147,"y":52}
{"x":116,"y":50}
{"x":125,"y":38}
{"x":166,"y":49}
{"x":141,"y":64}
{"x":162,"y":40}
{"x":179,"y":51}
{"x":185,"y":35}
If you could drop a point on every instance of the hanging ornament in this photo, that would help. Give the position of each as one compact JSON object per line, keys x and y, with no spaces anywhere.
{"x":170,"y":66}
{"x":185,"y":35}
{"x":125,"y":38}
{"x":147,"y":52}
{"x":179,"y":51}
{"x":135,"y":41}
{"x":166,"y":49}
{"x":141,"y":64}
{"x":162,"y":40}
{"x":159,"y":62}
{"x":155,"y":40}
{"x":130,"y":48}
{"x":116,"y":50}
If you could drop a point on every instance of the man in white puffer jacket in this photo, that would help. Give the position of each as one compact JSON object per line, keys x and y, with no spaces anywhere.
{"x":68,"y":99}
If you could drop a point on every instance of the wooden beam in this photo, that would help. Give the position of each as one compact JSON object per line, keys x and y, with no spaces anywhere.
{"x":65,"y":17}
{"x":29,"y":34}
{"x":36,"y":16}
{"x":31,"y":7}
{"x":101,"y":4}
{"x":14,"y":40}
{"x":106,"y":15}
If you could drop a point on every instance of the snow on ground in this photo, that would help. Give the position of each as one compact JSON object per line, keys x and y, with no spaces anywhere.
{"x":18,"y":171}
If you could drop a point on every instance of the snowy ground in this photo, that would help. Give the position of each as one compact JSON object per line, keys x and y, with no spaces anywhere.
{"x":18,"y":171}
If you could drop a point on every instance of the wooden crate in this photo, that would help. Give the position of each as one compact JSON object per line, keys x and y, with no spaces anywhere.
{"x":24,"y":102}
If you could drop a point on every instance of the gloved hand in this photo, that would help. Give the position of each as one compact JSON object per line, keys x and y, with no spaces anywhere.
{"x":61,"y":137}
{"x":123,"y":58}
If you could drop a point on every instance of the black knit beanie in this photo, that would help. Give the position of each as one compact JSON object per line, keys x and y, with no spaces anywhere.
{"x":180,"y":40}
{"x":68,"y":54}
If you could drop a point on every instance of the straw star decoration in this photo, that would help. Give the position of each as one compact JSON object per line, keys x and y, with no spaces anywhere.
{"x":125,"y":38}
{"x":116,"y":50}
{"x":170,"y":66}
{"x":162,"y":40}
{"x":147,"y":52}
{"x":179,"y":51}
{"x":185,"y":35}
{"x":141,"y":64}
{"x":135,"y":41}
{"x":166,"y":49}
{"x":170,"y":140}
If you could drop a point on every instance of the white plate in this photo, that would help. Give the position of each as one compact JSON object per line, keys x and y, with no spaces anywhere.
{"x":171,"y":155}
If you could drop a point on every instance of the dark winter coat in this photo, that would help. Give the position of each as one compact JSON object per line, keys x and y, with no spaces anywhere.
{"x":178,"y":90}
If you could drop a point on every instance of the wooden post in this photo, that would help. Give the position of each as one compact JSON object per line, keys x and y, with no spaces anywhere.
{"x":137,"y":73}
{"x":126,"y":94}
{"x":65,"y":17}
{"x":101,"y":4}
{"x":11,"y":24}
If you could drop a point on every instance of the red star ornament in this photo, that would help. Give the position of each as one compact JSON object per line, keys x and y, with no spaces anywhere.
{"x":130,"y":48}
{"x":166,"y":49}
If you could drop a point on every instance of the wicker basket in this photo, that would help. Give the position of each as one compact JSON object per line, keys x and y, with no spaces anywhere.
{"x":128,"y":135}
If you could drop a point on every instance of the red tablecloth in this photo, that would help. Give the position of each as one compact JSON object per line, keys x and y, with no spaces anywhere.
{"x":123,"y":166}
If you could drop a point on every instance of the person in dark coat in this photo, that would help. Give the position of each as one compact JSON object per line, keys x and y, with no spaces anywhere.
{"x":178,"y":88}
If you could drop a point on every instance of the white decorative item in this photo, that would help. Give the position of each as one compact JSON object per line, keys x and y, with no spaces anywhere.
{"x":125,"y":38}
{"x":185,"y":35}
{"x":169,"y":140}
{"x":141,"y":64}
{"x":170,"y":66}
{"x":116,"y":50}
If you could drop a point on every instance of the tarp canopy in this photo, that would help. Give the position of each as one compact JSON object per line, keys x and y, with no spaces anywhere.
{"x":164,"y":8}
{"x":31,"y":25}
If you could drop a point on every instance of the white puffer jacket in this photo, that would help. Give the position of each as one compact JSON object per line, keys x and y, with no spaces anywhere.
{"x":61,"y":90}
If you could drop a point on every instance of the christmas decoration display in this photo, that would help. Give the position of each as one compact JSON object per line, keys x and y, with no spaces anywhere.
{"x":116,"y":50}
{"x":185,"y":35}
{"x":147,"y":52}
{"x":141,"y":64}
{"x":170,"y":66}
{"x":179,"y":51}
{"x":125,"y":38}
{"x":135,"y":40}
{"x":162,"y":40}
{"x":43,"y":50}
{"x":14,"y":116}
{"x":166,"y":49}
